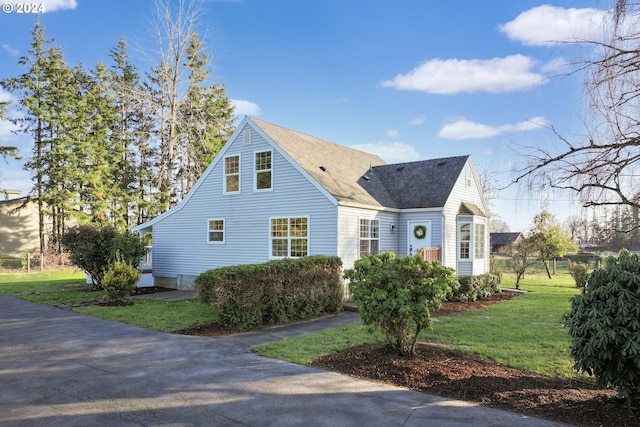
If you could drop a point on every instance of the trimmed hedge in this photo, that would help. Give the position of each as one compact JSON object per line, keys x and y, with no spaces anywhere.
{"x":275,"y":292}
{"x":476,"y":287}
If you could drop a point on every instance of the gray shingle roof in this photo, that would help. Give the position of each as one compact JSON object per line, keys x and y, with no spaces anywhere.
{"x":356,"y":176}
{"x":421,"y":184}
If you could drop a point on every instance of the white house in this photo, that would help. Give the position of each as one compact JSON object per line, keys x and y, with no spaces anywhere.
{"x":273,"y":192}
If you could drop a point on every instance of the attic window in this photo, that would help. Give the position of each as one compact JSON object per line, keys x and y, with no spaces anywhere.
{"x":247,"y":137}
{"x":467,"y":179}
{"x":323,"y":168}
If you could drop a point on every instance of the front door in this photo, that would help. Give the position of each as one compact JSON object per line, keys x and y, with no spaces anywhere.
{"x":418,"y":236}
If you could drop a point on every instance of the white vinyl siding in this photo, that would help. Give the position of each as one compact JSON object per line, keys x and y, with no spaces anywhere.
{"x":348,"y":230}
{"x":466,"y":189}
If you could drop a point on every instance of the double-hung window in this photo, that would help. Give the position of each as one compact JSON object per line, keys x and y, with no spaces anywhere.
{"x":289,"y":237}
{"x":369,"y":237}
{"x":215,"y":231}
{"x":232,"y":174}
{"x":464,"y":239}
{"x":263,"y":169}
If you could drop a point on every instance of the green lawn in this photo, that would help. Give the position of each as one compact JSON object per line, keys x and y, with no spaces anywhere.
{"x":64,"y":286}
{"x":525,"y":332}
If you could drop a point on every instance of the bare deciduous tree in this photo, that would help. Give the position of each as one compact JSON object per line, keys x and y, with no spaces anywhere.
{"x":603,"y":166}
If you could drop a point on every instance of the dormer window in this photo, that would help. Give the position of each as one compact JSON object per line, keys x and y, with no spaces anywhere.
{"x":263,"y":176}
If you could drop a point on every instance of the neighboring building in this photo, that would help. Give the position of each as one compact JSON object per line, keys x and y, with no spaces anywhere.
{"x":273,"y":192}
{"x":18,"y":225}
{"x":500,"y":242}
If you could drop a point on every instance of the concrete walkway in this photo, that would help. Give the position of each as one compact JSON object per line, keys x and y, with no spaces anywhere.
{"x":59,"y":368}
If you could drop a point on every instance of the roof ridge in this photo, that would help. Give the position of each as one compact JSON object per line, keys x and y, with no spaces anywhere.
{"x":342,"y":146}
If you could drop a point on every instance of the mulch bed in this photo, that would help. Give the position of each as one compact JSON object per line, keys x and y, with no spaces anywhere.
{"x":444,"y":372}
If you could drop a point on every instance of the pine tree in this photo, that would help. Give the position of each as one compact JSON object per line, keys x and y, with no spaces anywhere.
{"x":133,"y":173}
{"x":31,"y":87}
{"x":204,"y":120}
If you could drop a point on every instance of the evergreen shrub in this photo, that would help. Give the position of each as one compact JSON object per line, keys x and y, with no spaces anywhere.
{"x":275,"y":292}
{"x":120,"y":280}
{"x":604,"y":325}
{"x":474,"y":287}
{"x":394,"y":294}
{"x":96,"y":248}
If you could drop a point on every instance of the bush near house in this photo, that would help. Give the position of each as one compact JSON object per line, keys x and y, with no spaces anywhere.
{"x":604,"y":325}
{"x":275,"y":292}
{"x":120,"y":281}
{"x":95,"y":249}
{"x":475,"y":287}
{"x":395,"y":294}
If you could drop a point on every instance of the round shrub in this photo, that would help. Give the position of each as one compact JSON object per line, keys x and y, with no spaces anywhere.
{"x":120,"y":281}
{"x":394,"y":295}
{"x":604,"y":324}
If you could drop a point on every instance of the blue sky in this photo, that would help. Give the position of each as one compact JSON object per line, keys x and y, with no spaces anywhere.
{"x":405,"y":79}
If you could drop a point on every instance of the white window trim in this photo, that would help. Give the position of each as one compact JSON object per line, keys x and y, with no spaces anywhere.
{"x":255,"y":173}
{"x":224,"y":231}
{"x":459,"y":240}
{"x":289,"y":217}
{"x":368,"y":238}
{"x":472,"y":242}
{"x":224,"y":174}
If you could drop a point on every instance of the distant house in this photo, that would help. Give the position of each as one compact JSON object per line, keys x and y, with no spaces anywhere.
{"x":500,"y":242}
{"x":18,"y":225}
{"x":273,"y":192}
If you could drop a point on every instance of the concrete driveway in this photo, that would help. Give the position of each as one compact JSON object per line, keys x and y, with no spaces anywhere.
{"x":59,"y":368}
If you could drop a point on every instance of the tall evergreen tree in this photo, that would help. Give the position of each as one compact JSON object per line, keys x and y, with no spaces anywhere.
{"x":204,"y":120}
{"x":133,"y":173}
{"x":31,"y":87}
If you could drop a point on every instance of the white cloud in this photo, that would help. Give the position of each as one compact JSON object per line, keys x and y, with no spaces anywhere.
{"x":466,"y":129}
{"x":246,"y":108}
{"x":47,"y":5}
{"x":392,"y":133}
{"x":451,"y":76}
{"x":391,"y":152}
{"x":557,"y":65}
{"x":10,"y":50}
{"x":418,"y":120}
{"x":546,"y":24}
{"x":6,"y":96}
